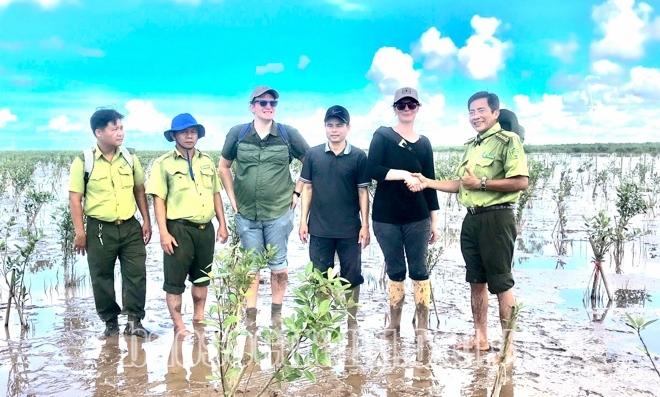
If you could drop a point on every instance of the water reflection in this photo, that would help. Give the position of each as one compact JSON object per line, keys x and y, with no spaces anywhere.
{"x":481,"y":378}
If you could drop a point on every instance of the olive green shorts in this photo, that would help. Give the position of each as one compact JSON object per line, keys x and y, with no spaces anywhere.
{"x":192,"y":257}
{"x":487,"y":244}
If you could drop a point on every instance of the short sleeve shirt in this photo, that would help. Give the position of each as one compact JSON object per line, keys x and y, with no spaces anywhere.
{"x":335,"y":180}
{"x":188,"y":188}
{"x":109,"y":196}
{"x":498,"y":155}
{"x":262,"y":180}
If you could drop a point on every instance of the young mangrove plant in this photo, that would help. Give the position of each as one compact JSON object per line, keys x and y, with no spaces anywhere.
{"x":302,"y":343}
{"x":66,"y":233}
{"x":629,"y":203}
{"x":539,"y":173}
{"x":639,"y":325}
{"x":34,"y":202}
{"x":600,"y":233}
{"x":15,"y":263}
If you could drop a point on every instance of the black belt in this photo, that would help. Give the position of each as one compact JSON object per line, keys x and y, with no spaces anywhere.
{"x":200,"y":226}
{"x":479,"y":210}
{"x":115,"y":223}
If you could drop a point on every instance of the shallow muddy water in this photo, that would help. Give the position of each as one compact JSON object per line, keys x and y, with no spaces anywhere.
{"x":562,"y":347}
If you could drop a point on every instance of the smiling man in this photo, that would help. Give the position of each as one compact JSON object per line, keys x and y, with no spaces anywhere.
{"x":492,"y":174}
{"x":334,"y":207}
{"x":261,"y":191}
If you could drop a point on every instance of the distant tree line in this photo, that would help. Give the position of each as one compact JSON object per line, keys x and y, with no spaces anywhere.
{"x":604,"y":148}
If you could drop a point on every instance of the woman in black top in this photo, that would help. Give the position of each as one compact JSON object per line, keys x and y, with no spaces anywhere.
{"x":404,"y":221}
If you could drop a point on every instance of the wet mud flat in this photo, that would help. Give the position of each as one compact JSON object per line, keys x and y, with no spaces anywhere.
{"x":562,"y":347}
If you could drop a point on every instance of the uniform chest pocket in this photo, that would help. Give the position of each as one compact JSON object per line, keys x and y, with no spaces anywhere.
{"x":126,"y":177}
{"x":207,"y":175}
{"x":99,"y":182}
{"x":177,"y":178}
{"x":484,"y":162}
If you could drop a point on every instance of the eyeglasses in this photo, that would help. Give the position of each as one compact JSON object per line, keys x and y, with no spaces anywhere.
{"x":263,"y":103}
{"x":402,"y":105}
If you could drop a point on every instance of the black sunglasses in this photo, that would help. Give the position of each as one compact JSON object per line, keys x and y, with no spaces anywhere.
{"x":402,"y":105}
{"x":263,"y":103}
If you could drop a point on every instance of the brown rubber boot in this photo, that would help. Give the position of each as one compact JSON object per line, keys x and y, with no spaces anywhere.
{"x":397,"y":294}
{"x":352,"y":311}
{"x":422,"y":294}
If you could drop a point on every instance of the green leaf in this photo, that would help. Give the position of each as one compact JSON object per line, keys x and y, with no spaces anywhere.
{"x":649,"y":323}
{"x":202,"y":279}
{"x":229,"y":320}
{"x":309,"y":375}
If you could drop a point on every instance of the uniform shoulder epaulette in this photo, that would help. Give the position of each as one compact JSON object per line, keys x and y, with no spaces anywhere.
{"x":502,"y":136}
{"x":163,"y":156}
{"x":469,"y":141}
{"x":206,"y":155}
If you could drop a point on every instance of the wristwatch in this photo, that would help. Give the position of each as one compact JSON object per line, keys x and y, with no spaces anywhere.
{"x":296,"y":193}
{"x":482,"y":187}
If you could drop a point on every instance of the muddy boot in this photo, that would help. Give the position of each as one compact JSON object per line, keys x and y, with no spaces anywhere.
{"x":251,"y":319}
{"x":352,"y":311}
{"x":422,"y":294}
{"x":276,"y":315}
{"x":397,"y":294}
{"x":134,"y":328}
{"x":111,"y":327}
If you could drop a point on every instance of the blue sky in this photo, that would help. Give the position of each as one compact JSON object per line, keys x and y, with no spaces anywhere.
{"x":576,"y":71}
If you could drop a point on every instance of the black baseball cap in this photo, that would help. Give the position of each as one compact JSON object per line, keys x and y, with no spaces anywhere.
{"x":339,"y":112}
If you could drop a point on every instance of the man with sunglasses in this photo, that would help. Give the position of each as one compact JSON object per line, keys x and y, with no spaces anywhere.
{"x":261,"y":191}
{"x":492,"y":174}
{"x":186,"y":191}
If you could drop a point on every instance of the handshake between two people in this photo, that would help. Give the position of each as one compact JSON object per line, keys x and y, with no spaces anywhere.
{"x":417,"y":182}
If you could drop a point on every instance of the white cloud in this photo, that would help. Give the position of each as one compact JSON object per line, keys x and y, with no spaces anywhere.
{"x":62,"y":124}
{"x":625,"y":27}
{"x":438,"y":52}
{"x":564,"y":51}
{"x":483,"y":55}
{"x":90,"y":52}
{"x":303,"y":61}
{"x":44,"y":3}
{"x":143,"y":116}
{"x":605,"y":67}
{"x":392,"y":69}
{"x":53,"y":43}
{"x":270,"y":68}
{"x":6,"y":117}
{"x":347,"y":5}
{"x":644,"y":82}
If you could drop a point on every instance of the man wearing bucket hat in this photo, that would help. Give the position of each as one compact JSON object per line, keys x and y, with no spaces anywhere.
{"x":261,"y":191}
{"x":186,"y":190}
{"x":111,"y":190}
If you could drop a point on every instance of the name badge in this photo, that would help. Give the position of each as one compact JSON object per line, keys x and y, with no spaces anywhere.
{"x":487,"y":156}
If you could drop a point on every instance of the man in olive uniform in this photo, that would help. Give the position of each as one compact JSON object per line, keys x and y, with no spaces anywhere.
{"x":186,"y":190}
{"x":261,"y":191}
{"x":111,"y":192}
{"x":493,"y":172}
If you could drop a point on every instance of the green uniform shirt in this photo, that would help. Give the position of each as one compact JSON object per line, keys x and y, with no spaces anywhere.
{"x":109,"y":194}
{"x":184,"y":197}
{"x":499,"y":155}
{"x":262,"y":180}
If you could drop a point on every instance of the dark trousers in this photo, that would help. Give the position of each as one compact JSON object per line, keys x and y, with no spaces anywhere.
{"x":400,"y":242}
{"x":322,"y":254}
{"x":487,"y":244}
{"x":124,"y":242}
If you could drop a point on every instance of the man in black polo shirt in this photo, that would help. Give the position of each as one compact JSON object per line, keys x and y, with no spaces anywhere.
{"x":334,"y":198}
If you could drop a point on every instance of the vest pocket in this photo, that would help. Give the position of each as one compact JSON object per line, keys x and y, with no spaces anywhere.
{"x":126,"y":177}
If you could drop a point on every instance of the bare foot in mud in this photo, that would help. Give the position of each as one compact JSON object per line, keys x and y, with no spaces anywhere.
{"x":181,"y":332}
{"x":471,"y":345}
